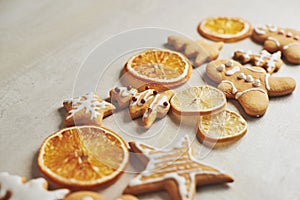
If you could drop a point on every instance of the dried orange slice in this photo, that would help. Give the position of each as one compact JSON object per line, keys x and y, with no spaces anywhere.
{"x":198,"y":100}
{"x":223,"y":127}
{"x":157,"y":67}
{"x":226,"y":29}
{"x":83,"y":157}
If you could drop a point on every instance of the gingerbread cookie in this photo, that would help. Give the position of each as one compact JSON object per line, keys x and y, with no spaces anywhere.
{"x":270,"y":62}
{"x":201,"y":50}
{"x":150,"y":104}
{"x":251,"y":86}
{"x":88,"y":109}
{"x":226,"y":29}
{"x":120,"y":96}
{"x":174,"y":170}
{"x":84,"y":195}
{"x":279,"y":39}
{"x":15,"y":187}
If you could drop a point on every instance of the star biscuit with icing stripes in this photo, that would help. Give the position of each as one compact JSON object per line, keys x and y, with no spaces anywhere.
{"x":88,"y":109}
{"x":251,"y":86}
{"x":174,"y":170}
{"x":270,"y":62}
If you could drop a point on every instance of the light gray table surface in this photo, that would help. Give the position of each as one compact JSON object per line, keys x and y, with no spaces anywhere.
{"x":45,"y":47}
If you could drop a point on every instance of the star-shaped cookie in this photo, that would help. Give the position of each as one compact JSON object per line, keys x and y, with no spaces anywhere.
{"x":88,"y":109}
{"x":174,"y":170}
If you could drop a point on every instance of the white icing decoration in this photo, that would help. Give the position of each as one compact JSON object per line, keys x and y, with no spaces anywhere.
{"x":239,"y":94}
{"x":233,"y":88}
{"x":232,"y":71}
{"x":125,"y":92}
{"x":247,"y":54}
{"x":221,"y":68}
{"x":146,"y":95}
{"x":267,"y":81}
{"x":249,"y":78}
{"x":296,"y":37}
{"x":158,"y":101}
{"x":290,"y":45}
{"x":167,"y":162}
{"x":229,"y":63}
{"x":273,"y":28}
{"x":241,"y":76}
{"x":89,"y":102}
{"x":258,"y":70}
{"x":261,"y":30}
{"x":274,"y":40}
{"x":31,"y":190}
{"x":87,"y":198}
{"x":256,"y":83}
{"x":271,"y":63}
{"x":261,"y":59}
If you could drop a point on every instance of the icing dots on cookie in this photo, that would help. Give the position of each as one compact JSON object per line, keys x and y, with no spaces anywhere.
{"x":253,"y":81}
{"x":150,"y":104}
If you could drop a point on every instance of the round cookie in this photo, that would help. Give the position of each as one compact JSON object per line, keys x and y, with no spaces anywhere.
{"x":84,"y":195}
{"x":225,"y":29}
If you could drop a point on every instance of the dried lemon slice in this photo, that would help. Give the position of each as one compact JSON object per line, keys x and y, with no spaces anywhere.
{"x":83,"y":157}
{"x":157,"y":67}
{"x":222,"y":127}
{"x":198,"y":100}
{"x":226,"y":29}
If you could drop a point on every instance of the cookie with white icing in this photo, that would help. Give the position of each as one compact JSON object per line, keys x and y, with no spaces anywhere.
{"x":251,"y":86}
{"x":88,"y":109}
{"x":15,"y":187}
{"x":279,"y":39}
{"x":271,"y":62}
{"x":84,"y":195}
{"x":174,"y":170}
{"x":121,"y":96}
{"x":150,"y":104}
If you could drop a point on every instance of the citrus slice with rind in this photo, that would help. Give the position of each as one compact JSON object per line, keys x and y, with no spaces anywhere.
{"x":225,"y":126}
{"x":83,"y":156}
{"x":226,"y":29}
{"x":198,"y":100}
{"x":159,"y":67}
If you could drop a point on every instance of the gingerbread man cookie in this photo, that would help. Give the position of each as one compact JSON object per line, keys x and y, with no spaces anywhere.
{"x":15,"y":187}
{"x":270,"y":62}
{"x":88,"y":109}
{"x":283,"y":39}
{"x":251,"y":86}
{"x":174,"y":170}
{"x":201,"y":50}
